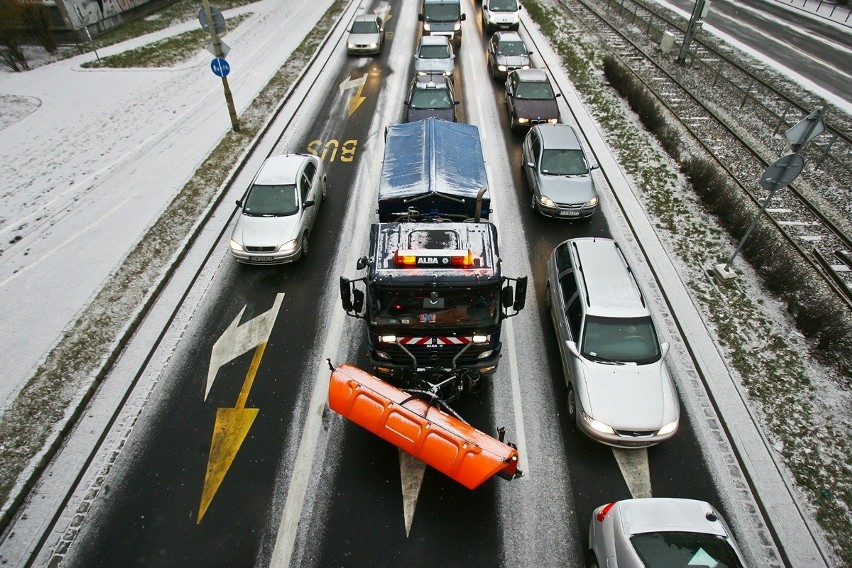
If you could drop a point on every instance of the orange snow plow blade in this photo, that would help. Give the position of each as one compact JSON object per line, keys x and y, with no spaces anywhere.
{"x":442,"y":441}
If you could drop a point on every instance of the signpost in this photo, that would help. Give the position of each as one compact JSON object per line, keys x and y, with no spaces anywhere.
{"x":778,"y":176}
{"x":219,"y":66}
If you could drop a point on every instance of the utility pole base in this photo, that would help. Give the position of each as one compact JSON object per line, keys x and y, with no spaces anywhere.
{"x":723,"y":274}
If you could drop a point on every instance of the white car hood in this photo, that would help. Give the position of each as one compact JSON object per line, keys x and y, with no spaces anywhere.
{"x":363,"y":39}
{"x":630,"y":397}
{"x":265,"y":231}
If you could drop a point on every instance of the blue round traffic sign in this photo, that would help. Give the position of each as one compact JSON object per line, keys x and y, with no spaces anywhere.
{"x":220,"y":67}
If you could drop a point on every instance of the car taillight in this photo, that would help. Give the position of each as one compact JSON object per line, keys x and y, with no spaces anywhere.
{"x":603,"y":512}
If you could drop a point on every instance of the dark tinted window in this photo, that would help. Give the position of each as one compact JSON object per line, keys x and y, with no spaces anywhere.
{"x":271,"y":201}
{"x":667,"y":549}
{"x":620,"y":340}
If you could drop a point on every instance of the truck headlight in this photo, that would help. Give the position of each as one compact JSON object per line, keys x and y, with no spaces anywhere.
{"x":383,"y":355}
{"x":387,"y":338}
{"x":485,"y":354}
{"x":597,"y":425}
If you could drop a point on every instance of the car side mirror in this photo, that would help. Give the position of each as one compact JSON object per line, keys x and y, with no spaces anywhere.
{"x":572,"y":348}
{"x":558,"y":94}
{"x":419,"y":17}
{"x":531,"y":52}
{"x":485,"y":7}
{"x":308,"y":203}
{"x":594,"y":167}
{"x":530,"y":164}
{"x":664,"y":348}
{"x":456,"y":102}
{"x":464,"y":17}
{"x":239,"y":203}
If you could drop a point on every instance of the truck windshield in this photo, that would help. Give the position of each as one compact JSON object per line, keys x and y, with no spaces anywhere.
{"x":441,"y":12}
{"x":421,"y":308}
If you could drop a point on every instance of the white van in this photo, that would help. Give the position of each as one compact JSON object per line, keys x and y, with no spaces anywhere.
{"x":500,"y":15}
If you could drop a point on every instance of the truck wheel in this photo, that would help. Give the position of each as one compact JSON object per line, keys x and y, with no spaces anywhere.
{"x":572,"y":403}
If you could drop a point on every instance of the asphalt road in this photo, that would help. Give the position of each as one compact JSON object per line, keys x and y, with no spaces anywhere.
{"x":305,"y":487}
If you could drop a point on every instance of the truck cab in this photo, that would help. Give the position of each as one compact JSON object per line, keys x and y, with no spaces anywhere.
{"x":434,"y":300}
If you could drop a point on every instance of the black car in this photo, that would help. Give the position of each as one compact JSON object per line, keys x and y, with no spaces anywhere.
{"x":530,"y":99}
{"x":431,"y":96}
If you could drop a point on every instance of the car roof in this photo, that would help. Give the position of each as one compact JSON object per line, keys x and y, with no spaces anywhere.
{"x":531,"y":75}
{"x":436,"y":79}
{"x":280,"y":169}
{"x":365,"y":18}
{"x":508,"y":36}
{"x":668,"y":515}
{"x":558,"y":136}
{"x":434,"y":40}
{"x":611,"y":290}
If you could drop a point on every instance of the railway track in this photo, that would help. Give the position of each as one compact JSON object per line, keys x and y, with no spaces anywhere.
{"x":738,"y":119}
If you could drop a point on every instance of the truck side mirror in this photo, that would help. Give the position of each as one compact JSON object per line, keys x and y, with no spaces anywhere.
{"x":507,"y":296}
{"x":362,"y":263}
{"x":345,"y":294}
{"x":358,"y":303}
{"x":521,"y":296}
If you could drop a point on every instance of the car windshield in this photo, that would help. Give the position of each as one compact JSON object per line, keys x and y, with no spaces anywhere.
{"x":364,"y":27}
{"x":426,"y":308}
{"x":511,"y":48}
{"x":430,"y":99}
{"x":563,"y":163}
{"x":441,"y":12}
{"x":666,"y":549}
{"x":534,"y":90}
{"x":434,"y":52}
{"x":620,"y":340}
{"x":503,"y":6}
{"x":272,"y":201}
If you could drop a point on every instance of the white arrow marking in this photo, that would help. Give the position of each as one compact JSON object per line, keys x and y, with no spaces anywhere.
{"x":350,"y":83}
{"x":412,"y":471}
{"x":634,"y":468}
{"x":241,"y":339}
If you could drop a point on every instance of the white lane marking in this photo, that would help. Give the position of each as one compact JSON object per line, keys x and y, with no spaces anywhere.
{"x":412,"y":471}
{"x":350,"y":83}
{"x":520,"y":436}
{"x":240,"y":339}
{"x":634,"y":467}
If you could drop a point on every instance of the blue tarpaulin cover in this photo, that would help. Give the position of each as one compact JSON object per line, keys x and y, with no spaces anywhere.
{"x":435,"y":167}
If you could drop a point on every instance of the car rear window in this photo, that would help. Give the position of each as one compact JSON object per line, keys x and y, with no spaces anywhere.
{"x":667,"y":549}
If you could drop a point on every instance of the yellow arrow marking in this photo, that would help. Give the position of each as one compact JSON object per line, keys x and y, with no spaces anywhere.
{"x":232,"y":426}
{"x":356,"y":100}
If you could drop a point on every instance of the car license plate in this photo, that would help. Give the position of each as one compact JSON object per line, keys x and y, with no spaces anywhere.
{"x":261,"y":259}
{"x":569,"y":213}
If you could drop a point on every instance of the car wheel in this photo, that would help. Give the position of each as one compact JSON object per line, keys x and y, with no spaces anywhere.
{"x":533,"y":204}
{"x":572,"y":403}
{"x":324,"y":188}
{"x":593,"y":560}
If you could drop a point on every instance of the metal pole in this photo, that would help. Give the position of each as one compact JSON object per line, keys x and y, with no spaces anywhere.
{"x":217,"y":50}
{"x":690,"y":30}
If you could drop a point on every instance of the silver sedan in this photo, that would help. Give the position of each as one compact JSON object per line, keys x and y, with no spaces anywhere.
{"x":278,"y":210}
{"x":558,"y":172}
{"x":661,"y":533}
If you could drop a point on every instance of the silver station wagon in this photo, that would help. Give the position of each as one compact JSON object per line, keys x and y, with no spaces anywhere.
{"x":619,"y":388}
